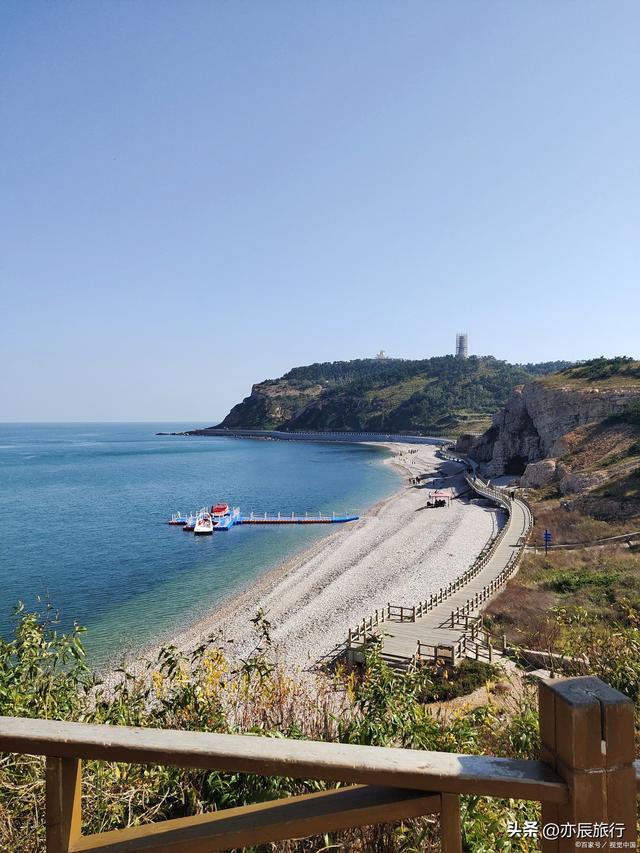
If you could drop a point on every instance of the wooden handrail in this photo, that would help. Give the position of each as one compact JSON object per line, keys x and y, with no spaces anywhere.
{"x":591,"y":543}
{"x":400,"y":768}
{"x":588,"y":774}
{"x":261,"y":823}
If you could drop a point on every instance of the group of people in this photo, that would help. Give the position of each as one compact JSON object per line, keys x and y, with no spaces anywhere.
{"x":439,"y":502}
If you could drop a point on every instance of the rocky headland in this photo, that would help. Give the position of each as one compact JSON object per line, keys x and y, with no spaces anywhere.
{"x":575,"y":432}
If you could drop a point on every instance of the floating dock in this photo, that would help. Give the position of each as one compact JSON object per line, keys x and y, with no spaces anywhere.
{"x":295,"y":519}
{"x":231,"y":519}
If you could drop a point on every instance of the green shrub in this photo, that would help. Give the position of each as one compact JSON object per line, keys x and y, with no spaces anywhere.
{"x":604,"y":368}
{"x":568,"y":581}
{"x":468,"y":676}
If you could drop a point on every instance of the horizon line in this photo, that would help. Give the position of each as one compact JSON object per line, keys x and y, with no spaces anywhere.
{"x":153,"y":421}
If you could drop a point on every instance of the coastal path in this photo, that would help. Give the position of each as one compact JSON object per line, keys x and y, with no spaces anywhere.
{"x":447,"y":625}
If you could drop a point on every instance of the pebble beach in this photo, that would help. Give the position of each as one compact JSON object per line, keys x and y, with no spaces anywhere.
{"x":400,"y":551}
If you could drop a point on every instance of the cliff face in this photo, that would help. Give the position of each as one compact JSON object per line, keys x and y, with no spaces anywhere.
{"x":270,"y":405}
{"x":537,"y":418}
{"x":574,"y":438}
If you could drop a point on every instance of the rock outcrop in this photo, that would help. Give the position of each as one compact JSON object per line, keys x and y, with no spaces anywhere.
{"x":582,"y":481}
{"x":532,"y":425}
{"x":539,"y":474}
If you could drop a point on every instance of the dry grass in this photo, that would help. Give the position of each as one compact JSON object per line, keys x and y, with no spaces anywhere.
{"x":569,"y":526}
{"x":596,"y":445}
{"x":605,"y":582}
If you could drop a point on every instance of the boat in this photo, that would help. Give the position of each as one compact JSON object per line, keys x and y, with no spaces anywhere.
{"x":220,"y":510}
{"x":189,"y":524}
{"x":204,"y":524}
{"x":178,"y":519}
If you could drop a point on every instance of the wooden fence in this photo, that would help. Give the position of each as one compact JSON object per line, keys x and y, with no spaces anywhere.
{"x":403,"y":613}
{"x":622,"y":539}
{"x":586,"y":774}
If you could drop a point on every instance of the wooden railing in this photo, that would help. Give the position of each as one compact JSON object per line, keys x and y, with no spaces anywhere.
{"x":448,"y":653}
{"x":399,"y":611}
{"x":462,"y":615}
{"x":586,"y":775}
{"x":476,"y":601}
{"x":404,"y":613}
{"x":628,"y":538}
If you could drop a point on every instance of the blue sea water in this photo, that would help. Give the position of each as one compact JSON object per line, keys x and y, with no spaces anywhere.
{"x":83,"y":510}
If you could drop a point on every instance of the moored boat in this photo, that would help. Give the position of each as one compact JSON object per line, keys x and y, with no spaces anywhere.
{"x":220,"y":510}
{"x":189,"y":524}
{"x":204,"y":524}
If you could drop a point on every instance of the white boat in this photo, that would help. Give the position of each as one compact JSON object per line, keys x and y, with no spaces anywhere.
{"x":204,"y":524}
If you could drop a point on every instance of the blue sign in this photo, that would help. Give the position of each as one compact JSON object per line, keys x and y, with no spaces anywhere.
{"x":547,"y":539}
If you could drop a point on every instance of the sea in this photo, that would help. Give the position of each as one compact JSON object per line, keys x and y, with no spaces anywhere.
{"x":83,"y":512}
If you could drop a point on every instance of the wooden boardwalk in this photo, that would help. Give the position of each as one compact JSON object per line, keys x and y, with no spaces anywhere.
{"x":438,"y":627}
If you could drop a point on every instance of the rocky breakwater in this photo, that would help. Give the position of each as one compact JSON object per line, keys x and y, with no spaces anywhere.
{"x":527,"y":436}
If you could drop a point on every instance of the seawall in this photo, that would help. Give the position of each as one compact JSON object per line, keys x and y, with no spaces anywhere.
{"x":318,"y":436}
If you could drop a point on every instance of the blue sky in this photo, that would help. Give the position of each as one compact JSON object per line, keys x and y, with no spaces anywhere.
{"x":199,"y":195}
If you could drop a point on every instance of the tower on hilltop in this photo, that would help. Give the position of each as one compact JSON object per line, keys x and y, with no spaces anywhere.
{"x":462,"y":345}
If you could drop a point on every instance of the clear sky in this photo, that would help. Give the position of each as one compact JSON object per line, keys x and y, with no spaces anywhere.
{"x":195,"y":196}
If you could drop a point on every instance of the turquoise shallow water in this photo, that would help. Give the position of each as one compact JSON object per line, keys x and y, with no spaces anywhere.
{"x":83,"y":506}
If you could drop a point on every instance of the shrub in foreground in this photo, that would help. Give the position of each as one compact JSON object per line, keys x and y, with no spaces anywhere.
{"x":44,"y":674}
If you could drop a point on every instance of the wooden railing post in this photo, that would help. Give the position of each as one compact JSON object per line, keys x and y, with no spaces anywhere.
{"x":450,"y":835}
{"x":587,"y":736}
{"x":63,"y":814}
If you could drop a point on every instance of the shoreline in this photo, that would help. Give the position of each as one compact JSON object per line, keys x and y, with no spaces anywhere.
{"x":188,"y":637}
{"x":268,"y":581}
{"x":393,"y":552}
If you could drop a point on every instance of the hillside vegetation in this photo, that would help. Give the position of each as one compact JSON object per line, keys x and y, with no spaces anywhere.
{"x":619,"y":372}
{"x":441,"y":395}
{"x":591,"y":589}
